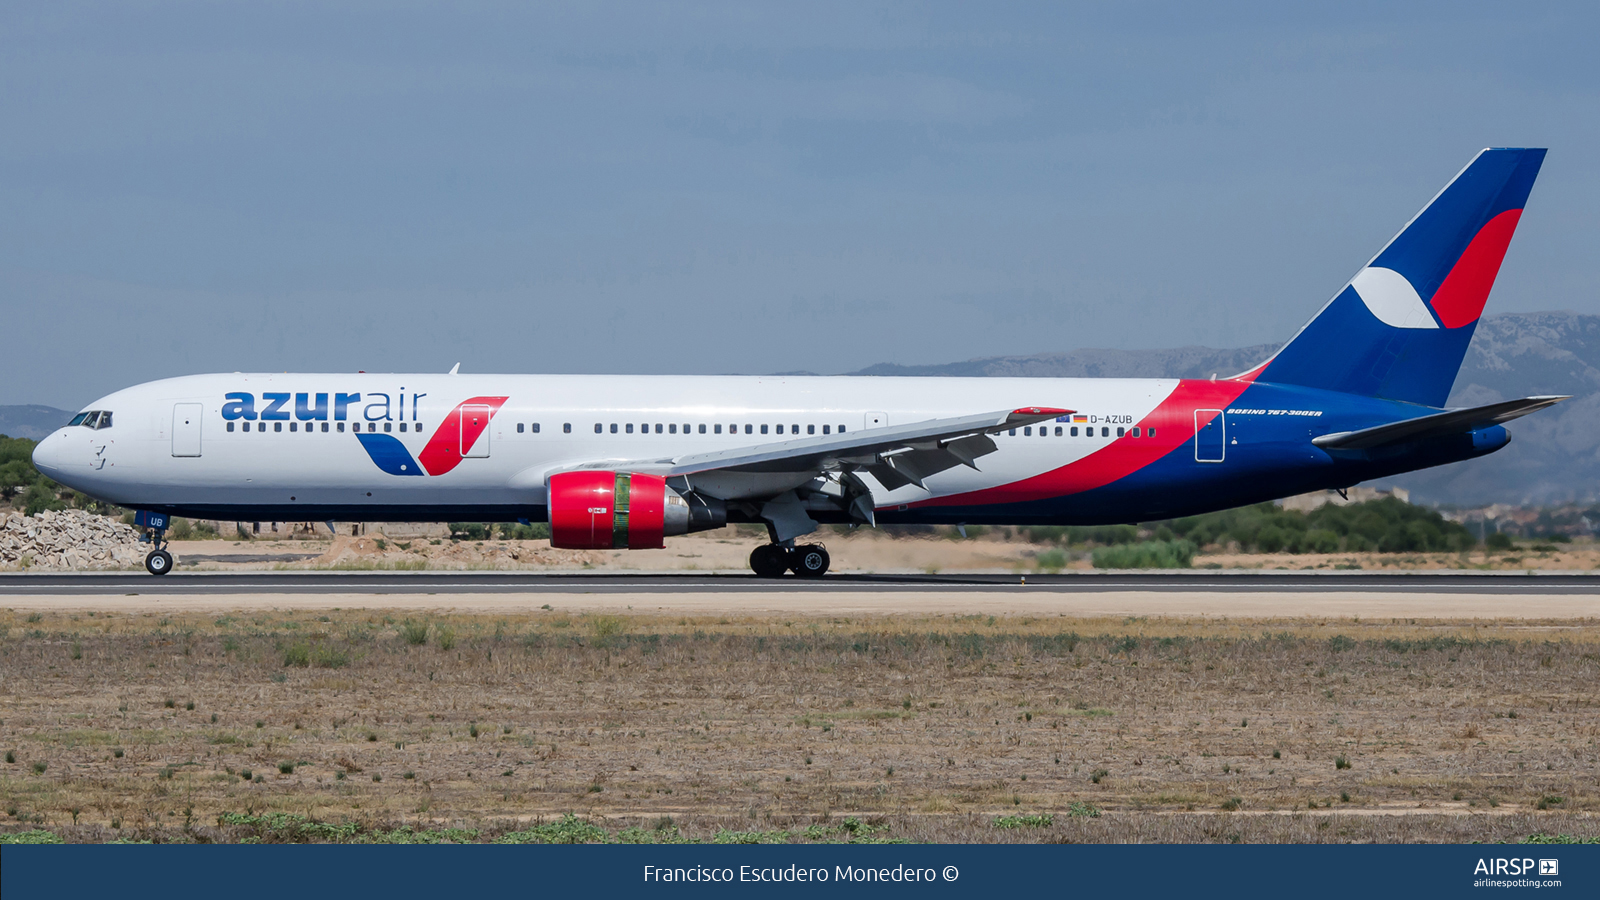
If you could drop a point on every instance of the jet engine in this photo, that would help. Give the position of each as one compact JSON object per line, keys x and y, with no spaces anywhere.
{"x":620,"y":510}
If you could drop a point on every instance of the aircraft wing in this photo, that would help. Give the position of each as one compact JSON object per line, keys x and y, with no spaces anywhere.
{"x":1454,"y":421}
{"x":896,"y":455}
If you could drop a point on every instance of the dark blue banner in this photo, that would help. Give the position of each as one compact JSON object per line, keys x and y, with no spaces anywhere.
{"x":273,"y":872}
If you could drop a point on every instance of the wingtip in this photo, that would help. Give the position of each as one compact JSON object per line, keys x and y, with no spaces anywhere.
{"x":1042,"y":411}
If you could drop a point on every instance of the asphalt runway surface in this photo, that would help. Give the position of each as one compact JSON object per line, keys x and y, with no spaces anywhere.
{"x":462,"y":583}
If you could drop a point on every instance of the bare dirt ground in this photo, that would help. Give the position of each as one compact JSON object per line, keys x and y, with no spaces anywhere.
{"x":865,"y":550}
{"x":291,"y":723}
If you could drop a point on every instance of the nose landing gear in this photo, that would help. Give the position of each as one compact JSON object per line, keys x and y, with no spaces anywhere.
{"x":158,"y":561}
{"x":805,"y":560}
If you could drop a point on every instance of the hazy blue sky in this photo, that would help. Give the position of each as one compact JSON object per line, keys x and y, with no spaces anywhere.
{"x":709,"y":188}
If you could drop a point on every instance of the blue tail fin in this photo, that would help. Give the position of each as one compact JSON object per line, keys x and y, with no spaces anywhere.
{"x":1400,"y":329}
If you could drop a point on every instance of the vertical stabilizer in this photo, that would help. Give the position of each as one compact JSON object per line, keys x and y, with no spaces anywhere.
{"x":1400,"y":328}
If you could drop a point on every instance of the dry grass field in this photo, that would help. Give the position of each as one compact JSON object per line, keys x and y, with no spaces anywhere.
{"x":367,"y":725}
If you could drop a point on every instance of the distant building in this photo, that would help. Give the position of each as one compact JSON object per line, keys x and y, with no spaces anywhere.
{"x":1319,"y":499}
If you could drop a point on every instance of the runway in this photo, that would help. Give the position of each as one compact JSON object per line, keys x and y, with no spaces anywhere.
{"x":125,"y":583}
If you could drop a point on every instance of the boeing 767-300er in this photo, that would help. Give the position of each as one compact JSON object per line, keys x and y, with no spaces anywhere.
{"x":614,"y":461}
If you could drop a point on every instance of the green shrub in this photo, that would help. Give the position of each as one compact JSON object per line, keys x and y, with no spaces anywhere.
{"x":34,"y":836}
{"x":538,"y":531}
{"x":1389,"y":525}
{"x":1498,"y":541}
{"x":469,"y":531}
{"x":43,"y":494}
{"x":569,"y":830}
{"x":414,"y":633}
{"x":1146,"y":555}
{"x":1043,"y":820}
{"x":1051,"y":560}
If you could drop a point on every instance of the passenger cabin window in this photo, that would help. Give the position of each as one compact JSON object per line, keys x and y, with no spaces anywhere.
{"x":230,"y":426}
{"x":825,"y":429}
{"x":1074,"y":432}
{"x":811,"y":429}
{"x":1058,"y":431}
{"x":324,"y":427}
{"x":1027,"y":431}
{"x":658,"y":428}
{"x":629,"y":429}
{"x":672,"y":429}
{"x":613,"y":428}
{"x":536,"y":428}
{"x":519,"y":428}
{"x":1120,"y":432}
{"x":718,"y":429}
{"x":703,"y":429}
{"x":566,"y":428}
{"x":339,"y":427}
{"x":763,"y":429}
{"x":1136,"y":431}
{"x":749,"y":428}
{"x":1105,"y":432}
{"x":277,"y":426}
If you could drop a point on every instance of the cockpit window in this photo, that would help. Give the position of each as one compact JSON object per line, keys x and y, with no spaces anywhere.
{"x":94,"y":418}
{"x":105,"y":419}
{"x":77,"y":419}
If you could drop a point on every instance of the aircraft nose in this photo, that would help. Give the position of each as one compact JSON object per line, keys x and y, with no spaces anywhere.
{"x":49,"y":455}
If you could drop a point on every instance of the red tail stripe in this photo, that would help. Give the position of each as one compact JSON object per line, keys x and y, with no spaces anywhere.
{"x":1460,"y":298}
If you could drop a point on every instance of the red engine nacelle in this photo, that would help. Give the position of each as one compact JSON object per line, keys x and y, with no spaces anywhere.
{"x":607,"y":511}
{"x":619,"y":510}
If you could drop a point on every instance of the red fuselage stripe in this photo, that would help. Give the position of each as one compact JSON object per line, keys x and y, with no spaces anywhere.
{"x":455,"y":437}
{"x":1174,"y":419}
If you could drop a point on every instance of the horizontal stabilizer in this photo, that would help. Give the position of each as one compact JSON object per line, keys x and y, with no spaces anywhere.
{"x":1454,"y":421}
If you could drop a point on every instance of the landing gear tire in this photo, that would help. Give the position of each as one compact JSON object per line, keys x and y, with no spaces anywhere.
{"x":159,"y":562}
{"x":769,"y":561}
{"x":809,"y":561}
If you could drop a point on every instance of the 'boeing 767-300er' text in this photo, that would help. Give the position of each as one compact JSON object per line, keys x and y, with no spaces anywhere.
{"x":616,"y":461}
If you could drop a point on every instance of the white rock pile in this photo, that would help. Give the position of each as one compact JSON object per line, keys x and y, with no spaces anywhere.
{"x":69,"y":539}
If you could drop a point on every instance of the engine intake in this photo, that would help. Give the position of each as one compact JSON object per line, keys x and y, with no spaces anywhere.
{"x":621,"y":510}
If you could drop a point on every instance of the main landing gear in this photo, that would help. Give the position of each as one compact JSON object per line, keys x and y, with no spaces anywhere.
{"x":158,"y":561}
{"x":804,"y":560}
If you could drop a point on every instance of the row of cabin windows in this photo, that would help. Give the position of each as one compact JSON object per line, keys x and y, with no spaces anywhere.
{"x":337,"y":426}
{"x":1105,"y":431}
{"x":672,"y":428}
{"x":523,"y":427}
